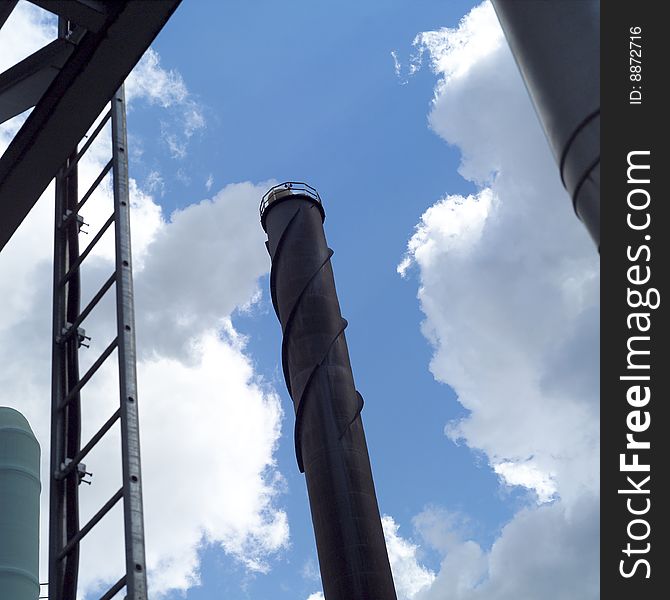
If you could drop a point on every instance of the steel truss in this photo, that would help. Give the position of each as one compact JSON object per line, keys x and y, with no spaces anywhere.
{"x":69,"y":81}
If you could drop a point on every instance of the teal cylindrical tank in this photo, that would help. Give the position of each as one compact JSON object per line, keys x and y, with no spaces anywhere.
{"x":19,"y":507}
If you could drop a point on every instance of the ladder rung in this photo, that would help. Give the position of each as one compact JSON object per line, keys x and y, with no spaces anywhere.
{"x":62,"y":474}
{"x":115,"y":589}
{"x":85,"y":253}
{"x":88,"y":143}
{"x":94,"y":185}
{"x":94,"y":367}
{"x":72,"y":328}
{"x":95,"y":519}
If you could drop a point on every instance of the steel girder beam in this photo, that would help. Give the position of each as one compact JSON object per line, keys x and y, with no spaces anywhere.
{"x":95,"y":70}
{"x":6,"y":8}
{"x":90,"y":14}
{"x":22,"y":85}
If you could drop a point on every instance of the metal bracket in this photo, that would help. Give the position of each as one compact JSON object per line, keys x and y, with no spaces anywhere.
{"x":66,"y":468}
{"x":68,"y":331}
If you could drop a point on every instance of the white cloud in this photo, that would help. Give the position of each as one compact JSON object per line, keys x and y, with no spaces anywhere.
{"x":440,"y":529}
{"x":218,"y":240}
{"x":227,"y":464}
{"x":453,"y":52}
{"x":454,"y":225}
{"x":396,"y":63}
{"x":316,"y":596}
{"x":154,"y":183}
{"x":150,"y":82}
{"x":209,"y":423}
{"x":181,"y":175}
{"x":193,"y":119}
{"x":209,"y":426}
{"x":176,"y":144}
{"x":509,"y":289}
{"x":408,"y":575}
{"x":544,"y":552}
{"x":528,"y":476}
{"x":509,"y":278}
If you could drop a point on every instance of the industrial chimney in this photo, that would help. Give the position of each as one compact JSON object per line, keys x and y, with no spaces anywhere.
{"x":329,"y":439}
{"x":556,"y":45}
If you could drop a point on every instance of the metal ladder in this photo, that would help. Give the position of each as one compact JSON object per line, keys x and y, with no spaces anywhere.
{"x":67,"y":470}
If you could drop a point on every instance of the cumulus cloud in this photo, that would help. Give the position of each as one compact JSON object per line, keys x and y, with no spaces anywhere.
{"x":217,"y":239}
{"x":545,"y":552}
{"x":454,"y":52}
{"x":409,"y":576}
{"x":509,"y":288}
{"x":210,"y":425}
{"x":528,"y":476}
{"x":515,"y":269}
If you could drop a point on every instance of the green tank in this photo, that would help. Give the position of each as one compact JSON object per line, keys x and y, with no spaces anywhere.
{"x":19,"y":507}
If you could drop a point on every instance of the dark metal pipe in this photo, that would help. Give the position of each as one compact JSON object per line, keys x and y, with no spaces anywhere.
{"x":329,"y":439}
{"x":556,"y":45}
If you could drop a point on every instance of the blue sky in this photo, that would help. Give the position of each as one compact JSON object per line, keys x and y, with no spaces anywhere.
{"x":477,"y":356}
{"x":307,"y":91}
